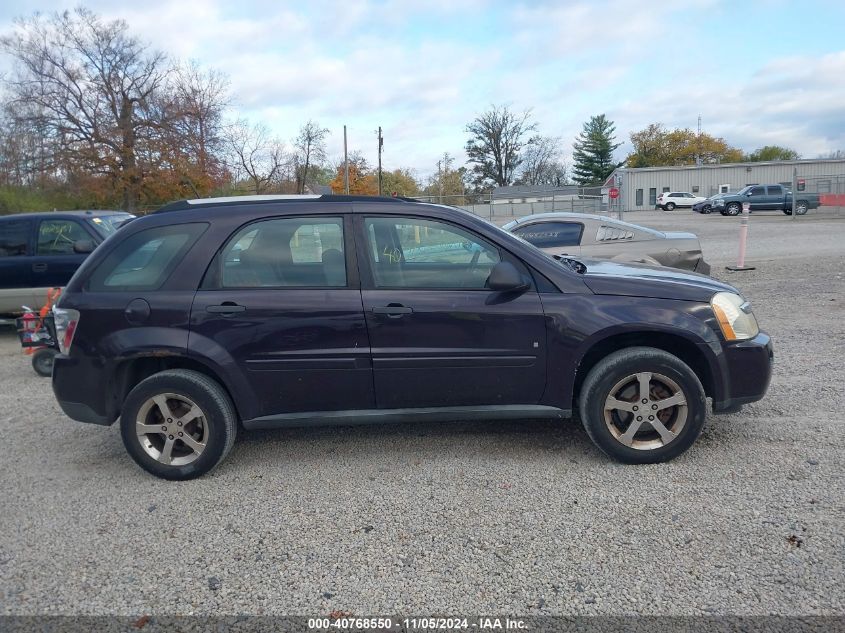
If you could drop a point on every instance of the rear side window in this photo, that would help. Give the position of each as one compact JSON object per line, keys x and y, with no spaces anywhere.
{"x":14,"y":238}
{"x":145,"y":260}
{"x":56,"y":237}
{"x":608,"y":233}
{"x":552,"y":234}
{"x":284,"y":252}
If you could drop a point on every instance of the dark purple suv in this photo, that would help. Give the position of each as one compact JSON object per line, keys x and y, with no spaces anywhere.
{"x":272,"y":311}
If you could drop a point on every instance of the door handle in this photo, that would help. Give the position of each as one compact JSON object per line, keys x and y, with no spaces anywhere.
{"x":225,"y":308}
{"x":39,"y":268}
{"x":394,"y":310}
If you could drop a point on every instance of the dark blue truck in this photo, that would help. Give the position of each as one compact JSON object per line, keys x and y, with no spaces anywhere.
{"x":765,"y":198}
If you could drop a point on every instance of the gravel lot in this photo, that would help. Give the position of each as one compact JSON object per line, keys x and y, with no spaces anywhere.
{"x":507,"y":517}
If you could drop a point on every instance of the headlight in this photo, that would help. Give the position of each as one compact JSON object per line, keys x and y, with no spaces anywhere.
{"x":734,"y":316}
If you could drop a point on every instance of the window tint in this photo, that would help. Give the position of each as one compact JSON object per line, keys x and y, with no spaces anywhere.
{"x":56,"y":237}
{"x":301,"y":252}
{"x":145,"y":260}
{"x":418,"y":253}
{"x":757,"y":191}
{"x":775,"y":190}
{"x":14,"y":238}
{"x":552,"y":234}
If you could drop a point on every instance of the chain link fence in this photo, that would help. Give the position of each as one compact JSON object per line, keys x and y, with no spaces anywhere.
{"x":492,"y":207}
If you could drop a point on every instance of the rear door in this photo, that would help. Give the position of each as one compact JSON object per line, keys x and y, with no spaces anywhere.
{"x":15,"y":262}
{"x":774,"y":197}
{"x":54,"y":261}
{"x":440,"y":337}
{"x":282,"y":298}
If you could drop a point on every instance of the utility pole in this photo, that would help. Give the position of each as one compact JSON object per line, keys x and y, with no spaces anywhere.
{"x":380,"y":148}
{"x":698,"y":141}
{"x":440,"y":180}
{"x":345,"y":165}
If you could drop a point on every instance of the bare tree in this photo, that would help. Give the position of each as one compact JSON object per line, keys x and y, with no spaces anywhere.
{"x":92,"y":82}
{"x":255,"y":155}
{"x":542,"y":163}
{"x":309,"y":150}
{"x":496,"y":141}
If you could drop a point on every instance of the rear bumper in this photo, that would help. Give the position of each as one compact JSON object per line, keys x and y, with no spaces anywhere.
{"x":749,"y":365}
{"x":80,"y":387}
{"x":702,"y":267}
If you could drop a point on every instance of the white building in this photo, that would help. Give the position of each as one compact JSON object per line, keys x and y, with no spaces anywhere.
{"x":639,"y":187}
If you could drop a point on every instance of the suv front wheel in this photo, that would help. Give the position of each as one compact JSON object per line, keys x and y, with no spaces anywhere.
{"x":642,"y":405}
{"x":178,"y":424}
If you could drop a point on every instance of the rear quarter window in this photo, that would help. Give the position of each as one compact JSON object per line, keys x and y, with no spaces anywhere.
{"x":145,"y":260}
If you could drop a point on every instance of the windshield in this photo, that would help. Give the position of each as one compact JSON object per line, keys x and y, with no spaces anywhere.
{"x":108,"y":224}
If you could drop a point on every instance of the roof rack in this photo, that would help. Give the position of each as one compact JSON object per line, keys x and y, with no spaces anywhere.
{"x":181,"y":205}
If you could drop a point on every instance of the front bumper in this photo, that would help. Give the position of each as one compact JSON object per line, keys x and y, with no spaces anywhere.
{"x":749,"y":366}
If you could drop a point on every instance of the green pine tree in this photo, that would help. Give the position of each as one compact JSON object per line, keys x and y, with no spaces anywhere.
{"x":593,"y":151}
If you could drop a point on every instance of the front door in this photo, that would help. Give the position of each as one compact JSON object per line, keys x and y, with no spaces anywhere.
{"x":55,"y":260}
{"x":757,"y":198}
{"x":439,"y":336}
{"x":282,"y":299}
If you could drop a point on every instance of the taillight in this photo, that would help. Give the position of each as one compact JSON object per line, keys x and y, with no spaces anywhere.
{"x":65,"y":320}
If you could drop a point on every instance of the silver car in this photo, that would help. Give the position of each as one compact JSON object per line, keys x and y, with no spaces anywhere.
{"x":602,"y":237}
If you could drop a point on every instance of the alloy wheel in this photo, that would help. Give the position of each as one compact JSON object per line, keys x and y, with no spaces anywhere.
{"x":645,"y":411}
{"x":172,"y":429}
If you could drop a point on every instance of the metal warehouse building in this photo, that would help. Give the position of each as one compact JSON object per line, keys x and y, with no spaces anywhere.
{"x":640,"y":187}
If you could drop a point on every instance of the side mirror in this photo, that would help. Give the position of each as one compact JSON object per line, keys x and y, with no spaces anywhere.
{"x":83,"y":246}
{"x":505,"y":277}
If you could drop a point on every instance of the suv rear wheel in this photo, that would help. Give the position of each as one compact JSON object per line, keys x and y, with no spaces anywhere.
{"x":642,"y":405}
{"x":178,"y":424}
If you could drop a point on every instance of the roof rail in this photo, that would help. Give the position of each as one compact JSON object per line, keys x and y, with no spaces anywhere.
{"x":181,"y":205}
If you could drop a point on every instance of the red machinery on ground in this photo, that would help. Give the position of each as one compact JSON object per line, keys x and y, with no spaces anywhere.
{"x":36,"y":333}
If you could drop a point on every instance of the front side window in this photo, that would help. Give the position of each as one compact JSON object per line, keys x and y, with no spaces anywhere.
{"x":56,"y":237}
{"x":552,"y":234}
{"x":145,"y":260}
{"x":757,"y":191}
{"x":419,"y":253}
{"x":14,"y":238}
{"x":284,"y":252}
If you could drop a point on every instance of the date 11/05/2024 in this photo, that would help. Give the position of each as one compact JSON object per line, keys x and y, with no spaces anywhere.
{"x":410,"y":624}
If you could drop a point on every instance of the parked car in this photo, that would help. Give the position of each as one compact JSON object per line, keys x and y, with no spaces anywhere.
{"x":39,"y":251}
{"x":706,"y":206}
{"x":342,"y":309}
{"x":669,"y":200}
{"x":601,"y":237}
{"x":766,"y":198}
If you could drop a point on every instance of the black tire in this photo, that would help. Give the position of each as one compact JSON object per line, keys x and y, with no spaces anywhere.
{"x":626,"y":363}
{"x":787,"y":211}
{"x":670,"y":206}
{"x":733,"y":208}
{"x":707,"y":209}
{"x":42,"y":361}
{"x":802,"y":207}
{"x":219,"y":421}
